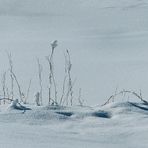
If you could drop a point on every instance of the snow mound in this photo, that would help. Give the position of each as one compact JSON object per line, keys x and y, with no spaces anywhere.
{"x":112,"y":122}
{"x":126,"y":108}
{"x":17,"y":106}
{"x":102,"y":114}
{"x":43,"y":115}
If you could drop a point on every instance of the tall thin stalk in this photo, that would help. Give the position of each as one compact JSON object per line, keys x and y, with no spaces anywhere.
{"x":11,"y":74}
{"x":13,"y":77}
{"x":28,"y":90}
{"x":51,"y":74}
{"x":40,"y":69}
{"x":4,"y":86}
{"x":70,"y":86}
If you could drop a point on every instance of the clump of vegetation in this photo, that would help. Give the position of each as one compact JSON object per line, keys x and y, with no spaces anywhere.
{"x":67,"y":96}
{"x":124,"y":93}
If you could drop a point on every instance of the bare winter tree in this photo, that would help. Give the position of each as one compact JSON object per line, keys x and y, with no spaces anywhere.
{"x":40,"y":69}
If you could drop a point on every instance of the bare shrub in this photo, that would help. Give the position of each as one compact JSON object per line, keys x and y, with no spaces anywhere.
{"x":123,"y":92}
{"x":14,"y":77}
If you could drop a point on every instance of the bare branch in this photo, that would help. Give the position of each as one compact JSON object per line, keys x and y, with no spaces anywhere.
{"x":63,"y":89}
{"x":28,"y":90}
{"x":18,"y":85}
{"x":70,"y":90}
{"x":139,"y":96}
{"x":51,"y":73}
{"x":4,"y":85}
{"x":11,"y":75}
{"x":79,"y":98}
{"x":40,"y":69}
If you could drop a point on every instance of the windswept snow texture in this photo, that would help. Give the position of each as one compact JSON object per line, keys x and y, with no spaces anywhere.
{"x":83,"y":127}
{"x":107,"y":40}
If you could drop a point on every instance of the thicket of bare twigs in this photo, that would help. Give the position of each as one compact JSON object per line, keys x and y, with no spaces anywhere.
{"x":67,"y":95}
{"x":125,"y":93}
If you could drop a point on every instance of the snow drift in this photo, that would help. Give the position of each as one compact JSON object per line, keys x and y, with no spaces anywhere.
{"x":113,"y":125}
{"x":39,"y":114}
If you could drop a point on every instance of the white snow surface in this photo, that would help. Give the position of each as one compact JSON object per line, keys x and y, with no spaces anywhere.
{"x":126,"y":126}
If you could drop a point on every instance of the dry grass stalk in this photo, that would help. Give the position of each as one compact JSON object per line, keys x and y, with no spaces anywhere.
{"x":123,"y":92}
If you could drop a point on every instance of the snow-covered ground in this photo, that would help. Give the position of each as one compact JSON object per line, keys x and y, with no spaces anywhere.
{"x":107,"y":40}
{"x":115,"y":125}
